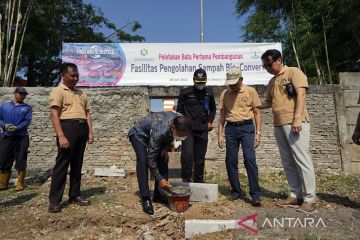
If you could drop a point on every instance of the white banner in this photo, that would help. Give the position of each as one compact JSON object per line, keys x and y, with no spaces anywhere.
{"x":165,"y":64}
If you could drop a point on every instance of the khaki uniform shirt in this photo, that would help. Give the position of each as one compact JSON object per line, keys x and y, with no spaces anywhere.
{"x":283,"y":106}
{"x":73,"y":104}
{"x":239,"y":106}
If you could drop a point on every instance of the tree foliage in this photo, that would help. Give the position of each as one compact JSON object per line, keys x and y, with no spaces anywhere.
{"x":320,"y":36}
{"x":53,"y":22}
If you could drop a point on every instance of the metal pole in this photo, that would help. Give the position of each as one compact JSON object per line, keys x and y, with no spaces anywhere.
{"x":201,"y":21}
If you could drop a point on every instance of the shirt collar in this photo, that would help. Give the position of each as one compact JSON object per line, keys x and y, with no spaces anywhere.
{"x":63,"y":86}
{"x":241,"y":89}
{"x":17,"y":104}
{"x":284,"y":68}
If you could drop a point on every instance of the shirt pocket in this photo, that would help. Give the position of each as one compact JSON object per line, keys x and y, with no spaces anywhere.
{"x":67,"y":101}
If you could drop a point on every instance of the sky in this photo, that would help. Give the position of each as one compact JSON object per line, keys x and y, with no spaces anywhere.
{"x":169,"y":21}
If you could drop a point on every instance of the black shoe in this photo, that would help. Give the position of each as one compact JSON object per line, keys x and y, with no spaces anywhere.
{"x":54,"y":208}
{"x":79,"y":201}
{"x":256,"y":202}
{"x":147,"y":207}
{"x":234,"y":197}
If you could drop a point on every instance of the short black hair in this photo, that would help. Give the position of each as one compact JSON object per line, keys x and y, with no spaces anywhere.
{"x":273,"y":53}
{"x":65,"y":67}
{"x":182,"y":123}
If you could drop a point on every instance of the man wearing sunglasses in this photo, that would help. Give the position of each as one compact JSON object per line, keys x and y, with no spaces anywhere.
{"x":286,"y":95}
{"x":15,"y":117}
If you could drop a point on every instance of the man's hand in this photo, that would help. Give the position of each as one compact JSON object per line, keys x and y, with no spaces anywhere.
{"x":63,"y":142}
{"x":356,"y":137}
{"x":220,"y":142}
{"x":163,"y":183}
{"x":165,"y":155}
{"x":10,"y":127}
{"x":7,"y":126}
{"x":296,"y":124}
{"x":210,"y":127}
{"x":90,"y":138}
{"x":257,"y":140}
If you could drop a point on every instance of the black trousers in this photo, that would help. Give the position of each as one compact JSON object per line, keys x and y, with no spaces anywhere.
{"x":77,"y":133}
{"x":193,"y":151}
{"x":142,"y":169}
{"x":14,"y":148}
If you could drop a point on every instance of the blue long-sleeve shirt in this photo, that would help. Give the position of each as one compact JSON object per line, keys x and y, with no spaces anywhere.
{"x":19,"y":115}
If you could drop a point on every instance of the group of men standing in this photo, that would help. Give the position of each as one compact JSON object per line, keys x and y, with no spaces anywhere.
{"x":239,"y":108}
{"x":151,"y":137}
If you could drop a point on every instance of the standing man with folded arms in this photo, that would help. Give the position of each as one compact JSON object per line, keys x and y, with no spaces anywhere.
{"x":239,"y":106}
{"x":286,"y":95}
{"x":70,"y":116}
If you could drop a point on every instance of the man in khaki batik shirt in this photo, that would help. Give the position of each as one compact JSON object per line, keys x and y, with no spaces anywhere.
{"x":70,"y":116}
{"x":286,"y":95}
{"x":239,"y":106}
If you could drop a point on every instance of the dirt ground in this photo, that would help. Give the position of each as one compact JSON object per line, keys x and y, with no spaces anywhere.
{"x":115,"y":212}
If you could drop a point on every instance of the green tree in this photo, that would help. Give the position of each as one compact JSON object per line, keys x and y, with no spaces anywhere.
{"x":53,"y":22}
{"x":319,"y":36}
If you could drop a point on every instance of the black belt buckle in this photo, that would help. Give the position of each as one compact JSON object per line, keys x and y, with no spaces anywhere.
{"x":81,"y":121}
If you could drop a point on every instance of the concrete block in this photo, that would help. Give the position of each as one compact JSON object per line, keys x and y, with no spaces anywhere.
{"x":174,"y":160}
{"x":109,"y":172}
{"x":349,"y":80}
{"x":200,"y":192}
{"x":194,"y":227}
{"x":352,"y":115}
{"x":351,"y":98}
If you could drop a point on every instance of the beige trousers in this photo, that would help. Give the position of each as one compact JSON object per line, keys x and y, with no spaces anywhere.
{"x":296,"y":160}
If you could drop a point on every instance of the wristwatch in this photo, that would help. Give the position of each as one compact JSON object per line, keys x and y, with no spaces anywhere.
{"x":259,"y":133}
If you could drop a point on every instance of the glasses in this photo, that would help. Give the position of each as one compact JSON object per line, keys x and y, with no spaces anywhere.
{"x":267,"y":65}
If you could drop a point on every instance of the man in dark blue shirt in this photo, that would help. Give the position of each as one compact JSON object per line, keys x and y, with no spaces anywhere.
{"x":197,"y":102}
{"x":15,"y":117}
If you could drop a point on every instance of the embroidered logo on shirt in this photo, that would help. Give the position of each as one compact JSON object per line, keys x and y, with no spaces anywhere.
{"x":245,"y":99}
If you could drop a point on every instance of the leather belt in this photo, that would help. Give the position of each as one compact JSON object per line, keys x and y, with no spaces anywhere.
{"x":80,"y":121}
{"x":239,"y":123}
